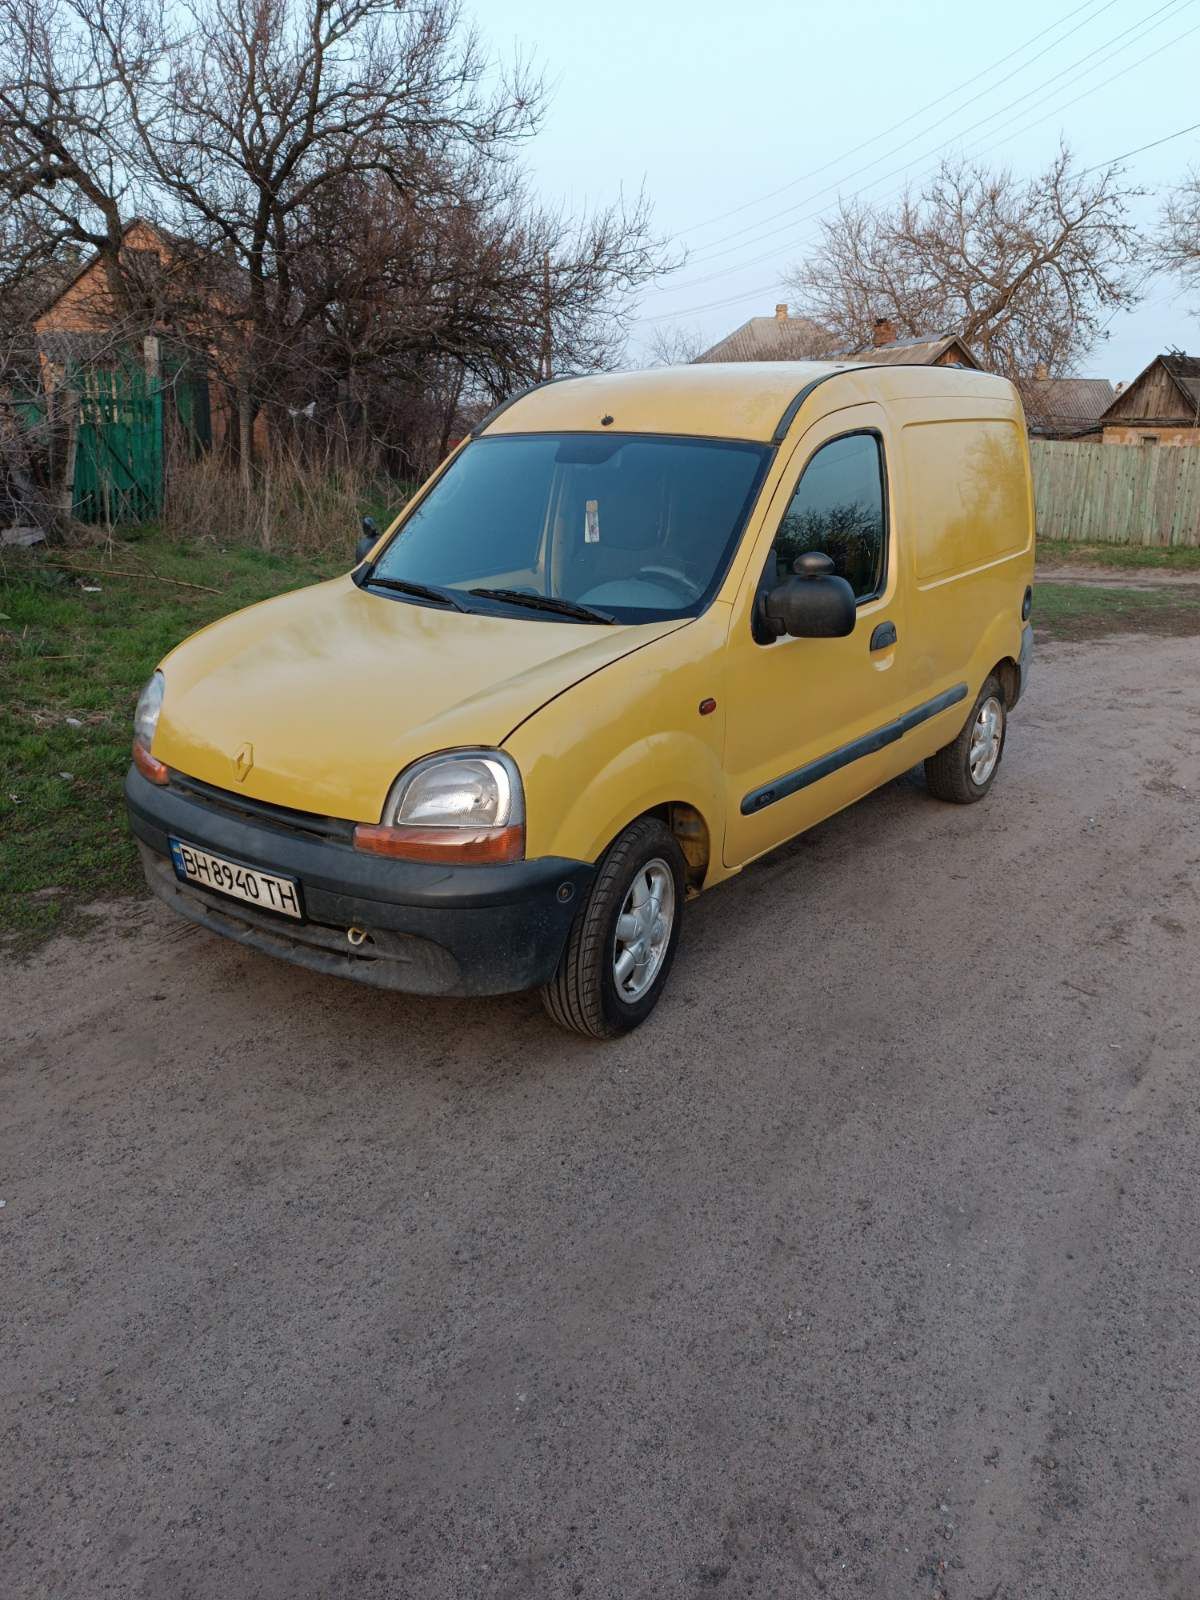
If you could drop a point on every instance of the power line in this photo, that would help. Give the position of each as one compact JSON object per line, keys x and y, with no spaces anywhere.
{"x":718,"y":305}
{"x":1153,"y":145}
{"x":1095,"y":89}
{"x":694,"y":227}
{"x":708,"y":250}
{"x":768,"y":255}
{"x":1139,"y":30}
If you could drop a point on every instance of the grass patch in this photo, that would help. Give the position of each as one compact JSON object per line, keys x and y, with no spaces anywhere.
{"x":71,"y":664}
{"x":1083,"y":611}
{"x":1062,"y":552}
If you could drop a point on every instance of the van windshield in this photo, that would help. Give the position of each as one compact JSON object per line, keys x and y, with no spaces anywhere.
{"x":638,"y":527}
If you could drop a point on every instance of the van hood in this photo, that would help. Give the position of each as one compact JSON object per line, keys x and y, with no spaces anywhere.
{"x":317,"y":699}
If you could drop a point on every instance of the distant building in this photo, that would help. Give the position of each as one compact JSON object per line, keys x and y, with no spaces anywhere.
{"x":1160,"y":406}
{"x":925,"y":350}
{"x":778,"y":338}
{"x":80,"y":330}
{"x":1064,"y":408}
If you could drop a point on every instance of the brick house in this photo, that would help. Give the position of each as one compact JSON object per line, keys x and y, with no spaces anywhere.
{"x":81,"y":329}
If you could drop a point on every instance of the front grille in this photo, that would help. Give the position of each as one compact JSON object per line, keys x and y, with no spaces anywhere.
{"x":244,"y":809}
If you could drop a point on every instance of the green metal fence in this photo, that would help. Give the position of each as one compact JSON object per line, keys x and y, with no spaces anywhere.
{"x":120,"y":423}
{"x":118,"y":450}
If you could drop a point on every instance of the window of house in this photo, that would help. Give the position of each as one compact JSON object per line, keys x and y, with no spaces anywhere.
{"x":838,"y":509}
{"x":1149,"y":438}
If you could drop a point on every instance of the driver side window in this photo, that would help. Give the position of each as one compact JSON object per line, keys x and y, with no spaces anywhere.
{"x":838,"y":508}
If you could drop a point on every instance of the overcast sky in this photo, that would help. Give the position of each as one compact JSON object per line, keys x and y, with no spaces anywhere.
{"x":716,"y":105}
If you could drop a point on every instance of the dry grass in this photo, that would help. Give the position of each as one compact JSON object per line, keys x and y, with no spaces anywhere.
{"x":305,"y":507}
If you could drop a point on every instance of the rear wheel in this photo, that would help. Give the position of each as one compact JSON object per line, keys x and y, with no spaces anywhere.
{"x":965,"y":770}
{"x":623,"y":941}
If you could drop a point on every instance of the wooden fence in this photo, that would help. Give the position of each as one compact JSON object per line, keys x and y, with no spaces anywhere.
{"x":1117,"y":494}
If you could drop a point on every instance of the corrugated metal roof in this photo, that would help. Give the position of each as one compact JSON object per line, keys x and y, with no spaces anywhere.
{"x":920,"y":352}
{"x":770,"y":339}
{"x":1063,"y":405}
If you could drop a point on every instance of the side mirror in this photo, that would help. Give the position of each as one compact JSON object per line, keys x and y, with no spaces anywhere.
{"x":815,"y":604}
{"x":367,"y":540}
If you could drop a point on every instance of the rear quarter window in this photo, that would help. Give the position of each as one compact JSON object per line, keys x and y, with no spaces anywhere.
{"x":970,"y":494}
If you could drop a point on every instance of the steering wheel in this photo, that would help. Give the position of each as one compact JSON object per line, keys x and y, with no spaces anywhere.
{"x":669,"y":575}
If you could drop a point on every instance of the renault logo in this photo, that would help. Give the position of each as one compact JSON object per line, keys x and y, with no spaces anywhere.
{"x":242,"y":762}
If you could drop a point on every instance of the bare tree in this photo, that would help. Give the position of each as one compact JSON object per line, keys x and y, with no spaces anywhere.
{"x":675,"y":345}
{"x":1023,"y":271}
{"x":340,"y":216}
{"x":69,"y":142}
{"x":1177,"y":247}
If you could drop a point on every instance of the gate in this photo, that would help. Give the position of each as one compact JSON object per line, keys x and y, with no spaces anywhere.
{"x":118,"y":459}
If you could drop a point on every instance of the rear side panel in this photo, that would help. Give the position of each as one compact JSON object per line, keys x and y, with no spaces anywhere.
{"x":969,"y":537}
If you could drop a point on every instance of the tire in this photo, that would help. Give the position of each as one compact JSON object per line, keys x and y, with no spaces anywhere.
{"x":585,"y":993}
{"x":951,"y":774}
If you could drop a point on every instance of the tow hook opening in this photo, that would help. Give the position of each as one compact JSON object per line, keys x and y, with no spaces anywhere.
{"x":357,"y":936}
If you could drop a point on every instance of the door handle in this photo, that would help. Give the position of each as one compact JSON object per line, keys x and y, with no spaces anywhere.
{"x":883,"y":636}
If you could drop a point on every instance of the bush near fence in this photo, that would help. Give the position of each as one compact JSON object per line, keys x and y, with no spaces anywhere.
{"x":1117,"y":494}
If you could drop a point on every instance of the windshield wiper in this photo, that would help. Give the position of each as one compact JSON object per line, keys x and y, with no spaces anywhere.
{"x":423,"y":591}
{"x":546,"y":602}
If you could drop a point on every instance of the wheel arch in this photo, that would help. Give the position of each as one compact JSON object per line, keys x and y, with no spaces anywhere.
{"x":1009,"y":675}
{"x":692,"y":834}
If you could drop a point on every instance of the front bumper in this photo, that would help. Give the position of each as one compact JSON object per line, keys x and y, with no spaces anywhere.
{"x":431,"y":929}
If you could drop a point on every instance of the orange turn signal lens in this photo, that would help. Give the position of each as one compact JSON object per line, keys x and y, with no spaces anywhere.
{"x":481,"y":845}
{"x":155,"y":771}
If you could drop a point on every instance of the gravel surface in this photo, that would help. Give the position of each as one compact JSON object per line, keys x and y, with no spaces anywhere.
{"x":868,"y":1268}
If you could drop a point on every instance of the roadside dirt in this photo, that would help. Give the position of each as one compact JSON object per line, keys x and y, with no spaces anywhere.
{"x":869,"y":1268}
{"x":1096,"y":577}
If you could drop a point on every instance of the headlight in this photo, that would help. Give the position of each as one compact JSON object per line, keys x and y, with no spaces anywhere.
{"x":145,"y":722}
{"x":145,"y":718}
{"x":465,"y":805}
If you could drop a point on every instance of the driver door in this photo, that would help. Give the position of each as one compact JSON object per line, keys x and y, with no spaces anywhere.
{"x":808,"y":719}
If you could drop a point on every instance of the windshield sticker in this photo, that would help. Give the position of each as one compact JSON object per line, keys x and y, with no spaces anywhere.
{"x":591,"y":522}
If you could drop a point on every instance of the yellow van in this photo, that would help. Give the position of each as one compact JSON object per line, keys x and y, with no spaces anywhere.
{"x":637,"y":630}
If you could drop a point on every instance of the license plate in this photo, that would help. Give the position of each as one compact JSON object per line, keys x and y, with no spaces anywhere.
{"x":264,"y":889}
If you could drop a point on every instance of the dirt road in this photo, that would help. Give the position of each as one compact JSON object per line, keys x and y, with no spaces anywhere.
{"x":868,"y":1269}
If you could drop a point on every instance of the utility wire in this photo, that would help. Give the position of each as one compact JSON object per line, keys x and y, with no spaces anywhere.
{"x":718,"y":305}
{"x":1139,"y":30}
{"x":694,"y":227}
{"x":767,"y":255}
{"x":1141,"y":61}
{"x":1153,"y":145}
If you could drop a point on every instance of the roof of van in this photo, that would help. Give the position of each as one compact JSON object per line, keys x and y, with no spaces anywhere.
{"x":724,"y":400}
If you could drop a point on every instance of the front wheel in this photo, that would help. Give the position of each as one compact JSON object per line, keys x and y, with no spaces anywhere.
{"x":623,"y":941}
{"x":965,"y":770}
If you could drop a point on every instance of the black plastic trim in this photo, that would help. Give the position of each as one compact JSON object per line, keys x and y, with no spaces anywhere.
{"x":885,"y":505}
{"x":884,"y":636}
{"x":245,"y":809}
{"x":498,"y":928}
{"x":789,"y":415}
{"x":1024,"y":664}
{"x":792,"y":782}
